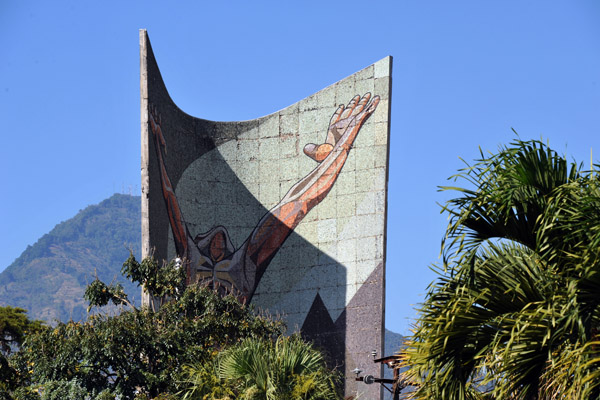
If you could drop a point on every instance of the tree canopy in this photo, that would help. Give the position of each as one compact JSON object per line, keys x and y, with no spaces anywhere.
{"x":181,"y":348}
{"x":14,"y":325}
{"x":515,"y":311}
{"x":139,"y":353}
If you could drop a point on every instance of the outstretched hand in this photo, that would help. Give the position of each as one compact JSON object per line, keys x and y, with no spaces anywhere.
{"x":344,"y":126}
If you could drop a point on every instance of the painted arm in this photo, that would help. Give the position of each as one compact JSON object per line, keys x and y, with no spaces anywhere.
{"x":180,"y":233}
{"x":274,"y":228}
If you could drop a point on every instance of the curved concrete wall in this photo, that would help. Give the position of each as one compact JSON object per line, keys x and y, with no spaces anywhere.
{"x":287,"y":211}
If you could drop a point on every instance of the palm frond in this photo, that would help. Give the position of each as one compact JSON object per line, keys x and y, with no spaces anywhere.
{"x":515,"y":311}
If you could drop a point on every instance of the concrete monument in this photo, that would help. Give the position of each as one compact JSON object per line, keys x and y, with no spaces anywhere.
{"x":286,"y":211}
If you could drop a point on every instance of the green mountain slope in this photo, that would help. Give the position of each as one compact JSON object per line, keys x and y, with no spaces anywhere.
{"x":49,"y":278}
{"x":394,"y":342}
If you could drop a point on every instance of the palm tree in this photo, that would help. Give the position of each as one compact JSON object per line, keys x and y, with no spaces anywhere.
{"x":287,"y":368}
{"x":202,"y":382}
{"x":515,"y":311}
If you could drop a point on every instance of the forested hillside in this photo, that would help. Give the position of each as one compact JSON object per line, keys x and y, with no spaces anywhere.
{"x":49,"y":278}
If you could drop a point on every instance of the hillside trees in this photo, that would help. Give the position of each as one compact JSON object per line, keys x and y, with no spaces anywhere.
{"x":138,"y":353}
{"x":14,"y":325}
{"x":50,"y":277}
{"x":187,"y":347}
{"x":515,"y":312}
{"x":162,"y":283}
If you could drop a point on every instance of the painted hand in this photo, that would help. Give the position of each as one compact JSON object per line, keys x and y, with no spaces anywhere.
{"x":343,"y":127}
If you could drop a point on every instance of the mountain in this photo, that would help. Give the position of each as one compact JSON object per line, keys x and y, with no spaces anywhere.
{"x":394,"y":342}
{"x":49,"y":278}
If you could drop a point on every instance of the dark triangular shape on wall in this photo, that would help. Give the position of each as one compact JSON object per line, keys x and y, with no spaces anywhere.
{"x":319,"y":328}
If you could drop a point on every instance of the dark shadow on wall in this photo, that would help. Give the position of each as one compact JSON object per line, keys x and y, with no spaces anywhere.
{"x":300,"y":279}
{"x":302,"y":283}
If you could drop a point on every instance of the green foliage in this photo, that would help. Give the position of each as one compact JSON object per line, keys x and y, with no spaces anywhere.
{"x":63,"y":390}
{"x":515,"y":313}
{"x":56,"y":390}
{"x":203,"y":383}
{"x":140,"y":348}
{"x":285,"y":368}
{"x":22,"y":393}
{"x":164,"y":283}
{"x":100,"y":294}
{"x":8,"y":376}
{"x":139,"y":353}
{"x":14,"y":325}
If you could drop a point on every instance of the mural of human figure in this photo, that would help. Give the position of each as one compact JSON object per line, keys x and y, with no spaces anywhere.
{"x":211,"y":259}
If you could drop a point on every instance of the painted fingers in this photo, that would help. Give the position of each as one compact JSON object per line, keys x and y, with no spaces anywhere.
{"x":344,"y":119}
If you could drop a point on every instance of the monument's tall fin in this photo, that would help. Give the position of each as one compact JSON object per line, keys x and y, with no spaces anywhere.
{"x":287,"y":211}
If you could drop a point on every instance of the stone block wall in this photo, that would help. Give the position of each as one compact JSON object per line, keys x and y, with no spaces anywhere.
{"x":288,"y":211}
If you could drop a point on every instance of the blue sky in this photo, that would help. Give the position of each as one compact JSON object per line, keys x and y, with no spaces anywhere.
{"x":465,"y":73}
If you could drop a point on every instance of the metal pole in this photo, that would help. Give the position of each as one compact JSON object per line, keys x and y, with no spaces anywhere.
{"x":397,"y":387}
